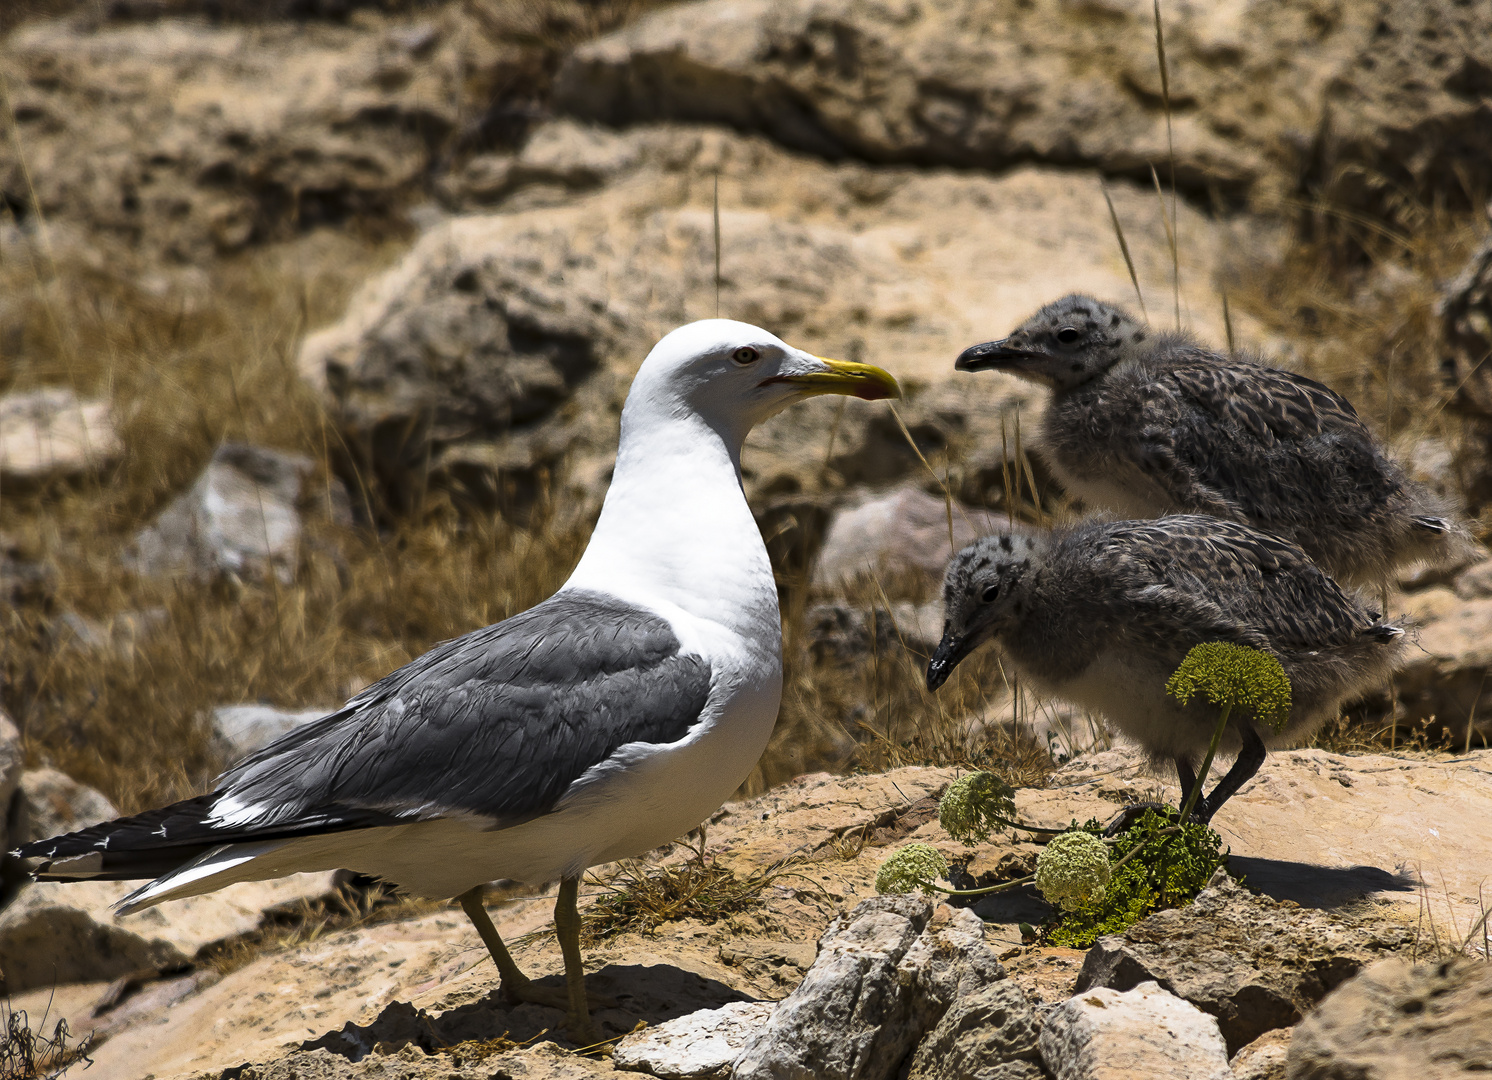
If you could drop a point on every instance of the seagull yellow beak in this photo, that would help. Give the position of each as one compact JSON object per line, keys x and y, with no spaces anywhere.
{"x":864,"y":381}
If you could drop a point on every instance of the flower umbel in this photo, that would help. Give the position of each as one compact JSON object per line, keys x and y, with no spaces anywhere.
{"x":915,"y":866}
{"x":1234,"y":676}
{"x":973,"y":806}
{"x":1073,"y":870}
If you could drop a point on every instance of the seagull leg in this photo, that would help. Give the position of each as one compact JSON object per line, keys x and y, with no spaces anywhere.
{"x":567,"y":929}
{"x":515,"y":985}
{"x":1247,"y":764}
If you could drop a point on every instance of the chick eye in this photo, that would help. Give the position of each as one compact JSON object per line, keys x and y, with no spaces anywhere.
{"x":989,"y":594}
{"x":1069,"y":334}
{"x":745,"y":355}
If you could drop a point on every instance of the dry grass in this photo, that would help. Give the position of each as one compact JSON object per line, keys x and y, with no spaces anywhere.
{"x":32,"y":1055}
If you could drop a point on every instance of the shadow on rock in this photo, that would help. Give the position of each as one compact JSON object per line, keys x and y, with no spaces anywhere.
{"x":1320,"y":887}
{"x":632,"y":992}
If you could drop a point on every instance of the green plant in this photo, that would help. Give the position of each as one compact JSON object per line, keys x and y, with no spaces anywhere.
{"x":974,"y":805}
{"x":916,"y":866}
{"x":1073,"y":870}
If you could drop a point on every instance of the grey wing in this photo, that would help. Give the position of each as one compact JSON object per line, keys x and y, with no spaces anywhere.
{"x":495,"y":724}
{"x":1218,"y":580}
{"x":1267,"y":402}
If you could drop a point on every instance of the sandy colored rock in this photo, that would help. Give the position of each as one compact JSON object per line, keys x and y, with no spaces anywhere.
{"x":504,"y":341}
{"x":1264,"y":1058}
{"x":239,"y":730}
{"x":50,"y":802}
{"x":700,"y":1046}
{"x":989,"y":1035}
{"x":1253,"y":963}
{"x":1446,"y":677}
{"x":472,"y":1062}
{"x":1429,"y":1021}
{"x":956,"y":82}
{"x":901,"y":529}
{"x":63,"y":932}
{"x":1145,"y":1031}
{"x":51,"y":434}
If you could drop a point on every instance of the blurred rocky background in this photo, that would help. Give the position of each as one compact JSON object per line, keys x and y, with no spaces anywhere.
{"x":316,"y":317}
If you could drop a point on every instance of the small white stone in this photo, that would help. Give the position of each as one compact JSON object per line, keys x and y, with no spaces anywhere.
{"x":700,"y":1046}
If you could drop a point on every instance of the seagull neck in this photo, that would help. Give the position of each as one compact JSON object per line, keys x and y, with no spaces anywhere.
{"x":675,"y":528}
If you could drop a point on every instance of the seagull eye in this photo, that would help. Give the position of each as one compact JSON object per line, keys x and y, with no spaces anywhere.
{"x":745,"y":355}
{"x":989,"y":594}
{"x":1069,"y":334}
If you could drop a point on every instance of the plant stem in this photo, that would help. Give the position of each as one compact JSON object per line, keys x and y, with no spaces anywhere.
{"x":1217,"y":737}
{"x":978,"y":892}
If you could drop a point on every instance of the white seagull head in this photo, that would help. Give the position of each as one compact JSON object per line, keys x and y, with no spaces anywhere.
{"x":734,"y":375}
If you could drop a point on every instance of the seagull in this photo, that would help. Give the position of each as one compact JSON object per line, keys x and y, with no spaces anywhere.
{"x":1145,"y":422}
{"x":608,"y":720}
{"x":1101,"y":613}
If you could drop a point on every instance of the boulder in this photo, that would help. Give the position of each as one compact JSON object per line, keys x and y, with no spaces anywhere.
{"x":1264,"y":95}
{"x":12,"y":768}
{"x":49,"y":803}
{"x":1107,"y":1035}
{"x":66,"y":932}
{"x":903,"y":529}
{"x":989,"y":1035}
{"x":239,"y":730}
{"x":1252,"y":963}
{"x":1445,"y":679}
{"x":885,"y":975}
{"x":700,"y":1046}
{"x":1264,"y":1058}
{"x":1426,"y":1021}
{"x":502,"y":344}
{"x":50,"y":434}
{"x":241,"y":518}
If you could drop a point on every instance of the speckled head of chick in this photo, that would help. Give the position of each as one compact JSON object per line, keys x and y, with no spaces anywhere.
{"x":1065,"y":344}
{"x":983,"y":595}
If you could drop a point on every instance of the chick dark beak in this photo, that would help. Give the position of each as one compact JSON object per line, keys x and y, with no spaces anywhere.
{"x":945,"y":658}
{"x":991,"y":356}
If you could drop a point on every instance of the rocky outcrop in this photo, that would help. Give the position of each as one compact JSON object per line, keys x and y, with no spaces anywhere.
{"x":1267,"y":96}
{"x":503,"y":343}
{"x":885,"y":975}
{"x":700,"y":1046}
{"x":989,"y":1035}
{"x":1107,"y":1035}
{"x":1444,"y":682}
{"x":241,"y":518}
{"x":50,"y":435}
{"x":1253,"y":963}
{"x":1400,"y":1020}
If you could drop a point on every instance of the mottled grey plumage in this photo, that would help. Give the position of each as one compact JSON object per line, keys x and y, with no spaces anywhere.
{"x":495,"y":725}
{"x":1101,"y":613}
{"x":1147,"y":422}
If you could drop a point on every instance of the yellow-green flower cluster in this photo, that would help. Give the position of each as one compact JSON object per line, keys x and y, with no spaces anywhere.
{"x":1237,"y":676}
{"x":915,"y":866}
{"x":972,"y":806}
{"x":1073,"y":870}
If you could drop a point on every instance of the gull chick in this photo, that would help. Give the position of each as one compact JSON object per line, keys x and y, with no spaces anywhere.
{"x":608,"y":720}
{"x":1101,"y":613}
{"x":1145,"y":422}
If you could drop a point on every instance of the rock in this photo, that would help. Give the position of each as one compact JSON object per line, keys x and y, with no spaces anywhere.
{"x":239,"y":730}
{"x":239,"y":519}
{"x":700,"y":1046}
{"x":1465,"y":313}
{"x":885,"y":975}
{"x":502,"y":344}
{"x":990,"y":1035}
{"x":1255,"y":93}
{"x":65,"y":932}
{"x":1253,"y":963}
{"x":50,"y":803}
{"x":904,"y":529}
{"x":1445,"y":679}
{"x":1141,"y":1032}
{"x":12,"y":766}
{"x":1474,"y":582}
{"x":1264,"y":1058}
{"x":1396,"y":1020}
{"x":194,"y":137}
{"x":51,"y":434}
{"x":471,"y":1062}
{"x":849,"y":635}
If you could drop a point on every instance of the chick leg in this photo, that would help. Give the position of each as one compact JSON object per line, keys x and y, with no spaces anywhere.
{"x":1247,"y":764}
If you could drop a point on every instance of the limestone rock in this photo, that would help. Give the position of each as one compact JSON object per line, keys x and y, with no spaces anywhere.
{"x":1446,"y":677}
{"x":1395,"y":1020}
{"x":1103,"y":1034}
{"x":51,"y":434}
{"x":1256,"y":87}
{"x":50,"y":803}
{"x":502,"y":344}
{"x":902,"y":529}
{"x":700,"y":1046}
{"x":543,"y":1062}
{"x":1251,"y":962}
{"x":885,"y":975}
{"x":64,"y":932}
{"x":1264,"y":1058}
{"x":240,"y":518}
{"x":12,"y":766}
{"x":990,"y":1035}
{"x":239,"y":730}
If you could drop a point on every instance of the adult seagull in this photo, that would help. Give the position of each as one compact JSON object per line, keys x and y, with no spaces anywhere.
{"x":609,"y":719}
